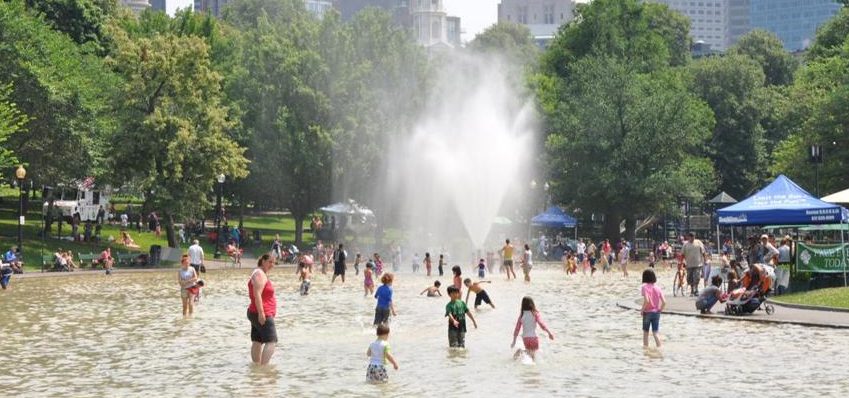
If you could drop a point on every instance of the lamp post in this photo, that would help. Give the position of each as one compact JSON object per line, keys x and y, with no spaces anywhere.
{"x":21,"y":174}
{"x":533,"y":186}
{"x":220,"y":178}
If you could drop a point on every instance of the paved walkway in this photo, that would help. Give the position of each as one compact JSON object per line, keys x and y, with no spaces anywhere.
{"x":222,"y":263}
{"x":686,"y":306}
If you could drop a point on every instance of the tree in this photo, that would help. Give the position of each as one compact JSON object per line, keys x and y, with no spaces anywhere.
{"x":626,"y":143}
{"x":625,"y":134}
{"x":732,"y":86}
{"x":767,"y":50}
{"x":831,"y":36}
{"x":84,"y":21}
{"x":11,"y":122}
{"x":173,"y":137}
{"x":821,"y":95}
{"x":507,"y":39}
{"x":643,"y":36}
{"x":65,"y":93}
{"x":290,"y":119}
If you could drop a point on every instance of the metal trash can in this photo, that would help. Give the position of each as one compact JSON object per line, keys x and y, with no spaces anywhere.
{"x":155,"y":255}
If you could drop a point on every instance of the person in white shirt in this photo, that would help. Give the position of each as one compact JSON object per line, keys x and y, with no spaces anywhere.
{"x":196,"y":255}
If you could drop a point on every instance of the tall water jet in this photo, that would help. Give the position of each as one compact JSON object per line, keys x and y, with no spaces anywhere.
{"x":466,"y":155}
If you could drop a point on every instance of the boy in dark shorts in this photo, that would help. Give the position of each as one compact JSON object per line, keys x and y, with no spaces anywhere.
{"x":480,"y":294}
{"x":456,"y":312}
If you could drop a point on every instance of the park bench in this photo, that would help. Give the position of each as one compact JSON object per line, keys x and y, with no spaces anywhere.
{"x":48,"y":263}
{"x":127,"y":259}
{"x":87,"y":259}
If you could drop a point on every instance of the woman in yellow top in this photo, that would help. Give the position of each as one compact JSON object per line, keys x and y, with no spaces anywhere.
{"x":507,"y":258}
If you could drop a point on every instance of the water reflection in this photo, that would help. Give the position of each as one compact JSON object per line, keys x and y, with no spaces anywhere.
{"x":124,"y":336}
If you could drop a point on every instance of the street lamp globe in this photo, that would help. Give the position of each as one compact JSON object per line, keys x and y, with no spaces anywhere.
{"x":546,"y":186}
{"x":533,"y":184}
{"x":21,"y":172}
{"x":220,"y":178}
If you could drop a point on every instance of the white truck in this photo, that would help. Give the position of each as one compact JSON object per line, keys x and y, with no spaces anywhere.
{"x":82,"y":202}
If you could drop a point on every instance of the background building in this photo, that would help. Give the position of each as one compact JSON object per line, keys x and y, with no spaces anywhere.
{"x":720,"y":23}
{"x":136,"y":5}
{"x":542,"y":17}
{"x":794,"y":22}
{"x":709,"y":20}
{"x":158,"y":5}
{"x":318,"y":7}
{"x":213,"y":7}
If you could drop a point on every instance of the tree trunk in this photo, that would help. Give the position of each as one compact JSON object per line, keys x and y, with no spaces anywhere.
{"x":611,"y":226}
{"x":299,"y":230}
{"x":169,"y":230}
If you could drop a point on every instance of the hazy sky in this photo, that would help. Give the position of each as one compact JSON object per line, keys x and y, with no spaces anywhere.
{"x":477,"y":15}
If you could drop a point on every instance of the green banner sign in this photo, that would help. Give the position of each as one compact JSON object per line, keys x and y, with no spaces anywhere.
{"x":821,"y":258}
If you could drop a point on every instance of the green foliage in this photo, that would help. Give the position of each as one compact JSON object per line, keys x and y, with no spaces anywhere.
{"x":644,"y":37}
{"x":11,"y":122}
{"x":626,"y":143}
{"x":63,"y":90}
{"x":83,"y":20}
{"x":173,"y":138}
{"x":821,"y":94}
{"x":830,"y":37}
{"x":767,"y":50}
{"x":732,"y":86}
{"x":509,"y":40}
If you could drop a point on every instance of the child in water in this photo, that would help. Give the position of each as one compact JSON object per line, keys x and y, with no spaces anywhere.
{"x":653,"y":304}
{"x":528,"y":320}
{"x":385,"y":306}
{"x":481,"y":269}
{"x":458,"y":280}
{"x":441,"y":263}
{"x":432,"y":291}
{"x":368,"y":281}
{"x":194,"y":291}
{"x":357,"y":260}
{"x":480,"y":295}
{"x":304,"y":277}
{"x":456,"y":311}
{"x":378,"y":353}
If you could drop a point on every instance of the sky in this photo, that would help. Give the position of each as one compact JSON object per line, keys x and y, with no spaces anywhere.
{"x":476,"y":15}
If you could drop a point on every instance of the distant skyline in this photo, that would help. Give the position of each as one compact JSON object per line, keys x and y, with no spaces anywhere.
{"x":476,"y":15}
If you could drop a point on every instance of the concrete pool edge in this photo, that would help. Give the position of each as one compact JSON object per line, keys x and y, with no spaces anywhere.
{"x":774,"y":319}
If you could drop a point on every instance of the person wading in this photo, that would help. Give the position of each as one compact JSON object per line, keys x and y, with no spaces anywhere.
{"x":261,"y":312}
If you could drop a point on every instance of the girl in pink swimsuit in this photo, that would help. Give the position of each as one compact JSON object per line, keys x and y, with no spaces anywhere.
{"x":368,"y":282}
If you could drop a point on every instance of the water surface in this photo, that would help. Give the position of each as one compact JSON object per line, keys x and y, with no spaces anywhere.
{"x":123,"y":335}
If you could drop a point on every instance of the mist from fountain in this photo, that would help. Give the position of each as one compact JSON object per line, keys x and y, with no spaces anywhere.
{"x":468,"y":152}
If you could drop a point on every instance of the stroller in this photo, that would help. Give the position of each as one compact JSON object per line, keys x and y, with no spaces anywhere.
{"x":756,"y":284}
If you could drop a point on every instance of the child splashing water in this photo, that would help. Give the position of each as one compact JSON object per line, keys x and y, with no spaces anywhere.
{"x":528,"y":320}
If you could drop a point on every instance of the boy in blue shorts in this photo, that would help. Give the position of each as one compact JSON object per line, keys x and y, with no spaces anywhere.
{"x":480,"y":295}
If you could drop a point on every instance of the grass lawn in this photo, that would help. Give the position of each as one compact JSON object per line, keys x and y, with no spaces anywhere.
{"x":831,"y":297}
{"x":35,"y":247}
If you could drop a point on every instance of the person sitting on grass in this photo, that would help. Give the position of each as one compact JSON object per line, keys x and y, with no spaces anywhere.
{"x":710,"y":295}
{"x":128,"y":241}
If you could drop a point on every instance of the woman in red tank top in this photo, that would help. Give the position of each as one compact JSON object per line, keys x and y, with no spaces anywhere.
{"x":261,"y":312}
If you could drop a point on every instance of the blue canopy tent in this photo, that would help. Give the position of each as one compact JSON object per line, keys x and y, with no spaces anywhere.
{"x":554,"y":217}
{"x":783,"y":202}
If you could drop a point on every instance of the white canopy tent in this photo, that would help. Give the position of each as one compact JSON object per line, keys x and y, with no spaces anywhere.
{"x":838,"y":197}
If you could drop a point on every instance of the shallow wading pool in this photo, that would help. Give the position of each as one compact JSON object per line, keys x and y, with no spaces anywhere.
{"x":123,"y":335}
